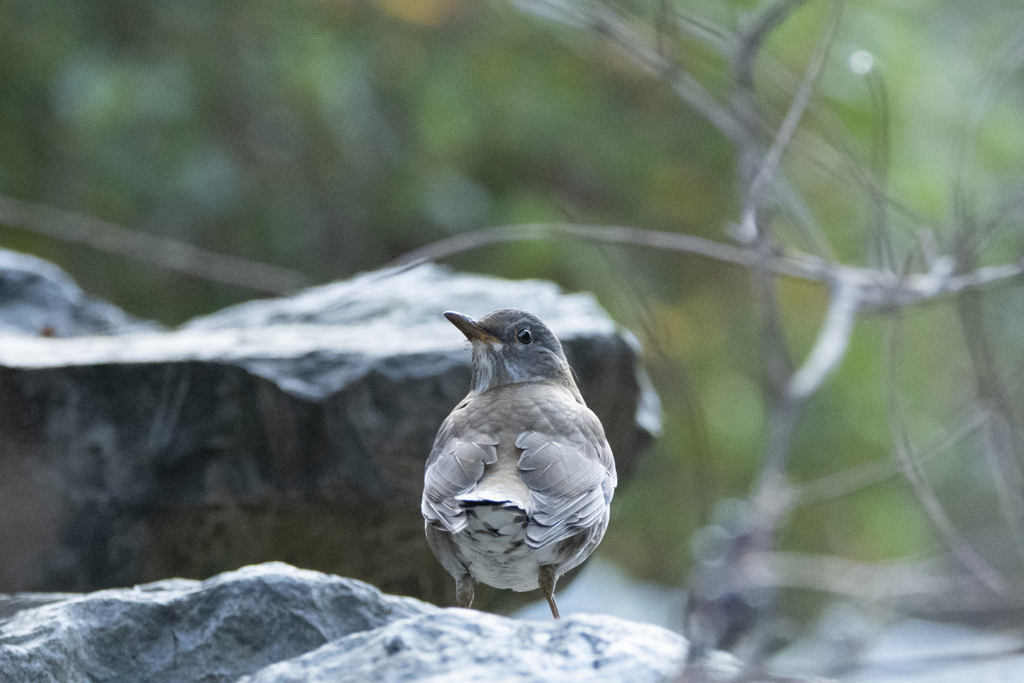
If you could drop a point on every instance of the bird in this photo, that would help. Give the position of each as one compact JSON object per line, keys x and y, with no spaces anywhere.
{"x":518,"y":486}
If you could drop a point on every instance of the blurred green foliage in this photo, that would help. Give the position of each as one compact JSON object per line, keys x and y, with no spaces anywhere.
{"x":332,"y":136}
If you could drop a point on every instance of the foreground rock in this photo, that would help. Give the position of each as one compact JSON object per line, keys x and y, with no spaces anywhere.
{"x":179,"y":630}
{"x":460,"y":645}
{"x":291,"y":429}
{"x":274,"y":623}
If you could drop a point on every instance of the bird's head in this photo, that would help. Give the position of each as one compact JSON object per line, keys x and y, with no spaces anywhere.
{"x":512,"y":346}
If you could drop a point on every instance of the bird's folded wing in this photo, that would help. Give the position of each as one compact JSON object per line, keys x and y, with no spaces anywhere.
{"x":571,"y":477}
{"x":454,"y":466}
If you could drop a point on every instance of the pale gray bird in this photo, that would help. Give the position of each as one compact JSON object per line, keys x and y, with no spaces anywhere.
{"x":519,"y":482}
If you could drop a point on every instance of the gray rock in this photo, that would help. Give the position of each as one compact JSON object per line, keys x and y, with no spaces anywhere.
{"x":291,"y":429}
{"x":179,"y":630}
{"x":38,"y":298}
{"x":273,"y":623}
{"x":464,"y":645}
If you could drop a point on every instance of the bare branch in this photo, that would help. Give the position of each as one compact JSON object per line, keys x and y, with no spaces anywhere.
{"x":1002,"y":436}
{"x":865,"y":581}
{"x":830,"y":346}
{"x":881,"y":254}
{"x":161,"y":251}
{"x":1001,"y":446}
{"x":613,"y":26}
{"x":856,"y":478}
{"x":877,"y":289}
{"x":745,"y":106}
{"x":772,"y":497}
{"x":741,"y":123}
{"x":754,"y":36}
{"x":770,"y":163}
{"x":771,"y":494}
{"x":926,"y":496}
{"x":1009,"y":60}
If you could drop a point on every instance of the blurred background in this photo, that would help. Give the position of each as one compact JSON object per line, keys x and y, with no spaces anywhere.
{"x":330,"y":137}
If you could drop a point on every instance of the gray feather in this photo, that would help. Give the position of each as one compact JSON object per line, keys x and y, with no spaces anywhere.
{"x":571,"y":478}
{"x":455,"y":465}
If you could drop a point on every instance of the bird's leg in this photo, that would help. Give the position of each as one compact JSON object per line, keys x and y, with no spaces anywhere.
{"x":464,"y":591}
{"x":547,"y":580}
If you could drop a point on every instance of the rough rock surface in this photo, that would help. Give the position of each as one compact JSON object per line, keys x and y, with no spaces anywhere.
{"x":179,"y":630}
{"x":273,"y":623}
{"x":292,"y":429}
{"x":461,"y":645}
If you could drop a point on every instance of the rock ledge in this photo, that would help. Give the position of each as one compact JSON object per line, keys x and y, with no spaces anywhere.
{"x":273,"y":623}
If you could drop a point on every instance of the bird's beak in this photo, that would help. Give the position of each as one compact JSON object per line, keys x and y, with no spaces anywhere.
{"x":471,"y":328}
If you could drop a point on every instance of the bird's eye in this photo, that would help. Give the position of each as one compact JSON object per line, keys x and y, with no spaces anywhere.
{"x":523,"y":336}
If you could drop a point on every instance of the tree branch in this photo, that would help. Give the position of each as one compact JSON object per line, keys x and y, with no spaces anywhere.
{"x":877,"y":289}
{"x":926,"y":496}
{"x":166,"y":253}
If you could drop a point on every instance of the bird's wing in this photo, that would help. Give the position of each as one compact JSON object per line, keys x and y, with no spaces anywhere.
{"x":571,"y":476}
{"x":455,"y":465}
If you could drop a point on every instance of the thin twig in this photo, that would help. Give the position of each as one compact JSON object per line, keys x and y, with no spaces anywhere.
{"x":740,"y":126}
{"x":856,"y":478}
{"x":1002,"y":442}
{"x":824,"y":156}
{"x":878,"y":289}
{"x":914,"y":474}
{"x":831,"y":344}
{"x":769,"y":166}
{"x":171,"y":254}
{"x":1009,"y":60}
{"x":615,"y":28}
{"x":752,"y":38}
{"x":771,"y":495}
{"x":727,"y":45}
{"x":741,"y":123}
{"x":862,"y":580}
{"x":882,"y":254}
